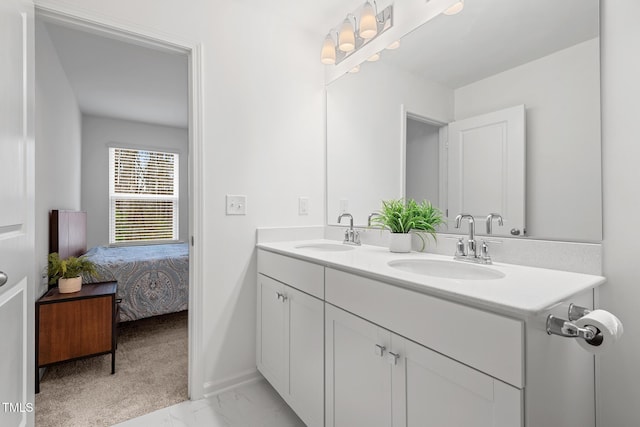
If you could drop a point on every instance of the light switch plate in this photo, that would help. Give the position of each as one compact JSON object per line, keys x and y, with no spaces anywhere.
{"x":303,"y":206}
{"x":236,"y":204}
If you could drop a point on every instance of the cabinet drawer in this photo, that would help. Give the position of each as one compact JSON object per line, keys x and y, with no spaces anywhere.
{"x":488,"y":342}
{"x":301,"y":275}
{"x":75,"y":329}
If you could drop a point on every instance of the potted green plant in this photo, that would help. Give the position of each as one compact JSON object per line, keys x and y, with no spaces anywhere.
{"x":68,"y":272}
{"x":403,"y":219}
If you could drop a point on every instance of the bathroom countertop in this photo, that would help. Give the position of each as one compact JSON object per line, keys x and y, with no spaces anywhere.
{"x":523,"y":291}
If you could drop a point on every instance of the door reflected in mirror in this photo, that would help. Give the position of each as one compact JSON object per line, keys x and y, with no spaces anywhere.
{"x":492,"y":56}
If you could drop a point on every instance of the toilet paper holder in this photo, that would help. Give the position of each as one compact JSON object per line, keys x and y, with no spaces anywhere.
{"x":567,"y":329}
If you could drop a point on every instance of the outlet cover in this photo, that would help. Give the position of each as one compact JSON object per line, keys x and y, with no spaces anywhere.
{"x":303,"y":206}
{"x":236,"y":204}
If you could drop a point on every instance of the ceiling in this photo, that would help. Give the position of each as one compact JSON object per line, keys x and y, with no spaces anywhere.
{"x":491,"y":36}
{"x":120,"y":80}
{"x":115,"y":79}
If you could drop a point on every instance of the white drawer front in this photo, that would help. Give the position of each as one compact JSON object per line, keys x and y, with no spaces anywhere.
{"x":488,"y":342}
{"x":301,"y":275}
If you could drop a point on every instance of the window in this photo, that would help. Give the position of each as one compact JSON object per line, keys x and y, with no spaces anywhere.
{"x":143,"y":195}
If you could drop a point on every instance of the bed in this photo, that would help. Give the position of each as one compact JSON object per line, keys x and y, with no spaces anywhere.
{"x":152,"y":279}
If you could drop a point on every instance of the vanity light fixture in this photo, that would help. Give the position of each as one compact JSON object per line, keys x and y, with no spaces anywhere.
{"x":357,"y":29}
{"x":394,"y":45}
{"x":328,"y":55}
{"x":456,"y":8}
{"x":347,"y":37}
{"x":374,"y":57}
{"x":368,"y":22}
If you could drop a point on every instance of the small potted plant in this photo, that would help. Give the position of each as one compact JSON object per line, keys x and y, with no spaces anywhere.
{"x":403,"y":219}
{"x":68,"y":272}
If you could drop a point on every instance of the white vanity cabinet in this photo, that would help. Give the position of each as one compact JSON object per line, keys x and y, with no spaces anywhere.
{"x":358,"y":378}
{"x":349,"y":347}
{"x":290,"y":341}
{"x":378,"y":378}
{"x":429,"y":386}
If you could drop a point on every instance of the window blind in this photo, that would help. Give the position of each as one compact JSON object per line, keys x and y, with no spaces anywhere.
{"x":143,"y":192}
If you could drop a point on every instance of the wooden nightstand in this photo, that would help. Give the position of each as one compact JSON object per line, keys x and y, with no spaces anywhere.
{"x":77,"y":325}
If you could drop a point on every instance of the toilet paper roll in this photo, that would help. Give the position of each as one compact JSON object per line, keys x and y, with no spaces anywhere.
{"x":609,"y":326}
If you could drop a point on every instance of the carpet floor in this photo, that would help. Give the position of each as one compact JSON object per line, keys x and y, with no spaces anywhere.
{"x":151,"y":373}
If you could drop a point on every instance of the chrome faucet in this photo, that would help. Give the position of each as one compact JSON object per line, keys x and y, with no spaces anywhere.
{"x":471,"y":241}
{"x":370,"y":217}
{"x":351,"y":236}
{"x":490,"y":218}
{"x":471,"y":252}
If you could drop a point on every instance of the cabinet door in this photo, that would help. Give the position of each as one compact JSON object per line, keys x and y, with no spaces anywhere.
{"x":306,"y":356}
{"x":430,"y":389}
{"x":272,"y":359}
{"x":358,"y":376}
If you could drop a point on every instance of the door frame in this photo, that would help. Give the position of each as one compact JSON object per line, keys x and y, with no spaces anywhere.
{"x":443,"y":146}
{"x":54,"y":12}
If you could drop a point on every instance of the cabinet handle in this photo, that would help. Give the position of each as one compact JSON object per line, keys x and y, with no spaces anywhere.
{"x":392,"y":358}
{"x":284,"y":297}
{"x":278,"y":295}
{"x":379,"y":350}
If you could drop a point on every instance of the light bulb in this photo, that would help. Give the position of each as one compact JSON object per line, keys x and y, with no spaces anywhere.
{"x":394,"y":45}
{"x":346,"y":39}
{"x":374,"y":57}
{"x":328,"y":55}
{"x":355,"y":69}
{"x":456,"y":8}
{"x":368,"y":22}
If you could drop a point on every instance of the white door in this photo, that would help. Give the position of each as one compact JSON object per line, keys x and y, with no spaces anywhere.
{"x":486,"y":169}
{"x":358,"y":375}
{"x":16,"y":213}
{"x":306,"y":356}
{"x":430,"y":389}
{"x":272,"y":359}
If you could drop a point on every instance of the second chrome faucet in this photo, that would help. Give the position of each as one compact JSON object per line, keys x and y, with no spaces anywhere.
{"x":470,"y":253}
{"x":351,"y":236}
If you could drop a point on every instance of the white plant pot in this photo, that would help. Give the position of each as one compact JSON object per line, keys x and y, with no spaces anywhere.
{"x":67,"y":286}
{"x":400,"y":242}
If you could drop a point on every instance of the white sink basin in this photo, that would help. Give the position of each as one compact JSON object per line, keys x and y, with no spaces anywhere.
{"x":446,"y":269}
{"x":325,"y":247}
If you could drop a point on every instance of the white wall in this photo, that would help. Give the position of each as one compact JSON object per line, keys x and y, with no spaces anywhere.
{"x":98,"y":133}
{"x":275,"y":154}
{"x":619,"y":390}
{"x":562,"y":95}
{"x":58,"y":143}
{"x":365,"y":126}
{"x":423,"y":159}
{"x":263,"y":137}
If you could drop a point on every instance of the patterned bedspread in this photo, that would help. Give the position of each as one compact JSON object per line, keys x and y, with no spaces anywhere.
{"x":152,"y":279}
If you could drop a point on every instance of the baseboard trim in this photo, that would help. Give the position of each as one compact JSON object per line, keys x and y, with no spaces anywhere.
{"x":211,"y":388}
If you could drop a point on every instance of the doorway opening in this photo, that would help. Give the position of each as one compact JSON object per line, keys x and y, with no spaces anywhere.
{"x":425,"y":160}
{"x":138,"y":114}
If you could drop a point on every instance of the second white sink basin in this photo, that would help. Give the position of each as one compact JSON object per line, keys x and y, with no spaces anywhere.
{"x":446,"y":269}
{"x":325,"y":247}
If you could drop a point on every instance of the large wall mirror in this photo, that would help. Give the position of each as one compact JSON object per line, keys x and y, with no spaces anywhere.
{"x":495,"y":109}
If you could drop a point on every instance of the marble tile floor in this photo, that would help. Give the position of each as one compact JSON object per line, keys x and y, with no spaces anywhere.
{"x":250,"y":405}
